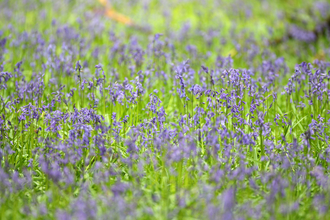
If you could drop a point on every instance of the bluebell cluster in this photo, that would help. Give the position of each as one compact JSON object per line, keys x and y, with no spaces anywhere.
{"x":100,"y":123}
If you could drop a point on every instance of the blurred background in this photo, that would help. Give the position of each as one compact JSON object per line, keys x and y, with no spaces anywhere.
{"x":224,"y":25}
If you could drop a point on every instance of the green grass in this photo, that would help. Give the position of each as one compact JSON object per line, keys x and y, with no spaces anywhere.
{"x":159,"y":186}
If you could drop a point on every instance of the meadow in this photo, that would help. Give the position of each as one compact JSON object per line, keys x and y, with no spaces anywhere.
{"x":173,"y":110}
